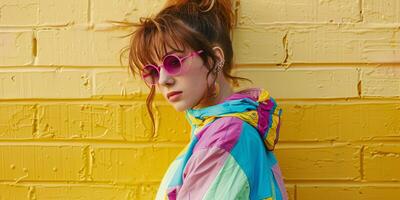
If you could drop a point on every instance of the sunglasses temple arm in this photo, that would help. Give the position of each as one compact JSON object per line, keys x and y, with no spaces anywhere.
{"x":191,"y":54}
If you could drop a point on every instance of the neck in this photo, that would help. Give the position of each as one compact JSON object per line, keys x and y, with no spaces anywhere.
{"x":225,"y":90}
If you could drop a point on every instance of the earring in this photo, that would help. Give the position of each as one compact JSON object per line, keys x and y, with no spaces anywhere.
{"x":216,"y":90}
{"x":219,"y":66}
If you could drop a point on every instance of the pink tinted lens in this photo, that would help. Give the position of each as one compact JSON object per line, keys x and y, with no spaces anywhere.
{"x":172,"y":64}
{"x":150,"y":74}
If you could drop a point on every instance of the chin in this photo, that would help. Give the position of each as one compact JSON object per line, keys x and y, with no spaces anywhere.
{"x":180,"y":106}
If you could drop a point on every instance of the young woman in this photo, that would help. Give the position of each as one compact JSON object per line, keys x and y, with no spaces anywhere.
{"x":186,"y":52}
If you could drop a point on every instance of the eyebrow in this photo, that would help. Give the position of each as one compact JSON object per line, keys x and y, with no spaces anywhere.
{"x":174,"y":51}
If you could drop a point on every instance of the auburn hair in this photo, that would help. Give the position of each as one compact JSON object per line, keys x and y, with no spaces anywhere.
{"x":181,"y":24}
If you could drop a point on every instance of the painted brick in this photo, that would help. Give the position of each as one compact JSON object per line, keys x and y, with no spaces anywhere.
{"x":384,"y":11}
{"x":346,"y":192}
{"x":380,"y":81}
{"x":9,"y":8}
{"x":85,"y":121}
{"x":291,"y":189}
{"x":133,"y":164}
{"x":64,"y":191}
{"x":174,"y":125}
{"x":304,"y":83}
{"x":107,"y":121}
{"x":80,"y":47}
{"x":319,"y":163}
{"x":40,"y":163}
{"x":16,"y":121}
{"x":69,"y":83}
{"x":270,"y":11}
{"x":339,"y":121}
{"x":16,"y":48}
{"x":258,"y":45}
{"x":13,"y":192}
{"x":343,"y":44}
{"x":348,"y":43}
{"x":43,"y":12}
{"x":170,"y":125}
{"x":72,"y":191}
{"x":63,"y":12}
{"x":45,"y":84}
{"x":381,"y":162}
{"x":128,"y":122}
{"x":124,"y":10}
{"x":109,"y":82}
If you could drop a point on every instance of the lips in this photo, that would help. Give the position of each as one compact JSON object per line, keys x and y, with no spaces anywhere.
{"x":170,"y":94}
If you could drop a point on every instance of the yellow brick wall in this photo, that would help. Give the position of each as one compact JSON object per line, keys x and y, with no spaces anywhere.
{"x":73,"y":122}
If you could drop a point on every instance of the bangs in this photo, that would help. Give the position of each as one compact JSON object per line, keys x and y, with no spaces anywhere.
{"x":159,"y":43}
{"x":152,"y":39}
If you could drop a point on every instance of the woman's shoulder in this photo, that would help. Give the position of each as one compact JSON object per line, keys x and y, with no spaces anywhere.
{"x":224,"y":133}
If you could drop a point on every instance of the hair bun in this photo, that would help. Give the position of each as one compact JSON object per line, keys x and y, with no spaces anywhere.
{"x":205,"y":5}
{"x":222,"y":8}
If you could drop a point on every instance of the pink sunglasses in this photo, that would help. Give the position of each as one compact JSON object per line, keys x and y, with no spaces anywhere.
{"x":172,"y":65}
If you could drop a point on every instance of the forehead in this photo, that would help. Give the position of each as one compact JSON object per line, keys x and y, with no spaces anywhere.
{"x":156,"y":43}
{"x":165,"y":48}
{"x":170,"y":50}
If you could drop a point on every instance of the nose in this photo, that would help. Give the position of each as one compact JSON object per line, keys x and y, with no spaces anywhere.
{"x":165,"y":78}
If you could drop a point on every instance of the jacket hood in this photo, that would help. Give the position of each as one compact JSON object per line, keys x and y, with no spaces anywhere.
{"x":254,"y":106}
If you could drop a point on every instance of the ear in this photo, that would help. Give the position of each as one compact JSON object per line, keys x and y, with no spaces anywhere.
{"x":219,"y":53}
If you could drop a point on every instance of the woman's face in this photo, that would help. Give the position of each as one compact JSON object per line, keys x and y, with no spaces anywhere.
{"x":191,"y":83}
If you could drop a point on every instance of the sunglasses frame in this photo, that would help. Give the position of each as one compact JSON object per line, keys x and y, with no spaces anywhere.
{"x":162,"y":65}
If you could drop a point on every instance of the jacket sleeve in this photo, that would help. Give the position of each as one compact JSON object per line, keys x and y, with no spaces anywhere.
{"x":212,"y":173}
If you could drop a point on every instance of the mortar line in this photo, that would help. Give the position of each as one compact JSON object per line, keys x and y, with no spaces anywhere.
{"x":362,"y":163}
{"x":89,"y":13}
{"x":35,"y":47}
{"x":361,"y":7}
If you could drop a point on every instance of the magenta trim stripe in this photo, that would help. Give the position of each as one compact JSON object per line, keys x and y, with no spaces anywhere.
{"x":222,"y":133}
{"x":265,"y":110}
{"x":278,"y":177}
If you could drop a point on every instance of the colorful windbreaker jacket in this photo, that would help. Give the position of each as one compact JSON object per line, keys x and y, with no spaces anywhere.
{"x":230,"y":154}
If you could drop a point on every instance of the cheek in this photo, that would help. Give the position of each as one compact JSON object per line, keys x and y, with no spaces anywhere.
{"x":196,"y":82}
{"x":199,"y":76}
{"x":195,"y":85}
